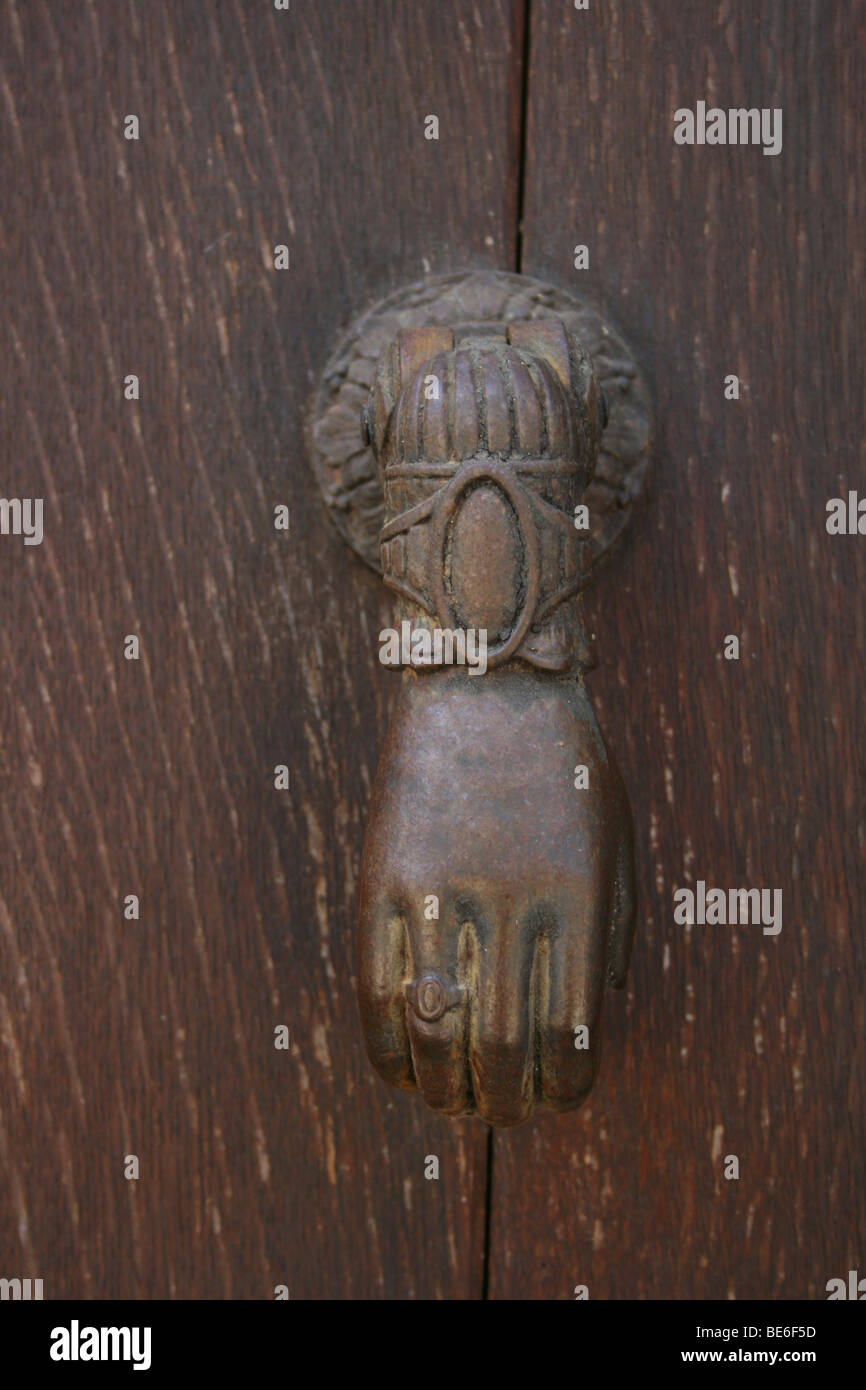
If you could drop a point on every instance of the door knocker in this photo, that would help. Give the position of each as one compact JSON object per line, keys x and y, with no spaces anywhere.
{"x":504,"y":439}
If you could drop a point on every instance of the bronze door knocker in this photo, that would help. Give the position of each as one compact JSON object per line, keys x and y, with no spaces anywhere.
{"x":497,"y":882}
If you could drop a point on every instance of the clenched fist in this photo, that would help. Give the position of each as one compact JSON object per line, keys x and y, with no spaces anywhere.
{"x":496,"y":897}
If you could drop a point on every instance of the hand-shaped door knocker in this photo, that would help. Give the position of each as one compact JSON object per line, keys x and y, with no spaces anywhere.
{"x":497,"y":885}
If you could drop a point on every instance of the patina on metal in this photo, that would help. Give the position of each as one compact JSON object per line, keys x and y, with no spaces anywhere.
{"x":345,"y":467}
{"x":497,"y":887}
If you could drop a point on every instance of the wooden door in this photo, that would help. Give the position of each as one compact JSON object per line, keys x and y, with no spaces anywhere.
{"x":143,"y":781}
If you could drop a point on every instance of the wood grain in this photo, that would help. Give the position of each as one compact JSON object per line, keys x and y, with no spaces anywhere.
{"x":750,"y":773}
{"x":156,"y":1037}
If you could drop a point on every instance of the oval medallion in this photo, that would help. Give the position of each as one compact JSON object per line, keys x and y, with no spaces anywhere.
{"x":484,"y":562}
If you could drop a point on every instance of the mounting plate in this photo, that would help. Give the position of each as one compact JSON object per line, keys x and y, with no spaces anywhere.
{"x":344,"y":466}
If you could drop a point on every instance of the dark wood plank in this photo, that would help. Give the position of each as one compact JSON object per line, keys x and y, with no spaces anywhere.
{"x":155,"y":777}
{"x":714,"y":261}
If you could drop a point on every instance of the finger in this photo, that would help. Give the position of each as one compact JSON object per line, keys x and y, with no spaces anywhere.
{"x":500,"y":1023}
{"x":383,"y":967}
{"x":436,"y":1012}
{"x":570,"y":994}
